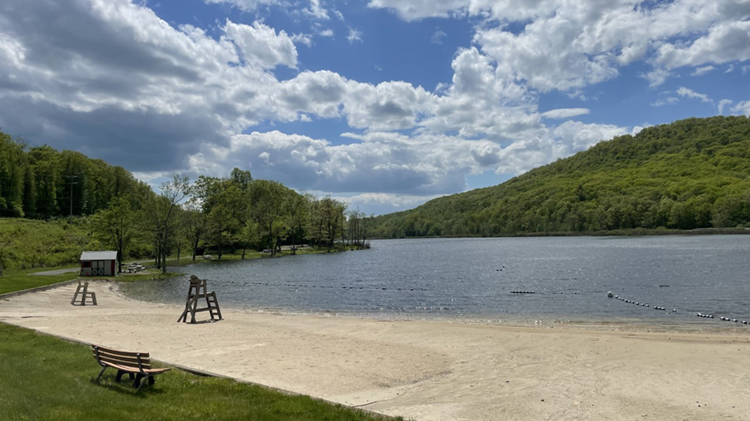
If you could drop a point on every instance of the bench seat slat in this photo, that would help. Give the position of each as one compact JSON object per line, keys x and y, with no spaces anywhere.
{"x":135,"y":369}
{"x":115,"y":352}
{"x":124,"y":362}
{"x":128,"y":357}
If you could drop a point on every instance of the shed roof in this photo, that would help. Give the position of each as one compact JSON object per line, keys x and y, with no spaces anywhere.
{"x":98,"y":255}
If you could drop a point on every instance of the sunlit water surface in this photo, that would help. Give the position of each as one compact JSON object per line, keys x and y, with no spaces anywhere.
{"x":474,"y":279}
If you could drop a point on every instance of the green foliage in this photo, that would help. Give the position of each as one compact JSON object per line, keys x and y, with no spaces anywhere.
{"x":45,"y":378}
{"x":221,"y":213}
{"x":693,"y":173}
{"x":40,"y":182}
{"x":29,"y":244}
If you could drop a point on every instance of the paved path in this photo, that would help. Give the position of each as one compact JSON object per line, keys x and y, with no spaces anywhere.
{"x":56,"y":272}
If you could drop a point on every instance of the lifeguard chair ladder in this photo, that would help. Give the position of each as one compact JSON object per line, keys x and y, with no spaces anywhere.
{"x":197,"y":291}
{"x":83,"y":291}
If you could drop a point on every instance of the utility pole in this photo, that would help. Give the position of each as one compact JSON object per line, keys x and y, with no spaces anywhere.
{"x":72,"y":183}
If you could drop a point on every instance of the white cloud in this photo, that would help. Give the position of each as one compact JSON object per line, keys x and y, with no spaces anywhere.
{"x":742,"y":108}
{"x":180,"y":98}
{"x":725,"y":42}
{"x":381,"y":203}
{"x":568,"y":45}
{"x":579,"y":136}
{"x":438,"y":37}
{"x":302,"y":39}
{"x":245,"y":5}
{"x":700,"y":71}
{"x":724,"y":103}
{"x":689,"y":93}
{"x":260,"y":45}
{"x":670,"y":100}
{"x":316,"y":11}
{"x":420,"y":9}
{"x":657,"y":77}
{"x":354,"y":36}
{"x":561,"y":113}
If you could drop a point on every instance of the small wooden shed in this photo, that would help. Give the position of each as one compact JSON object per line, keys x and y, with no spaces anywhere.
{"x":99,"y":263}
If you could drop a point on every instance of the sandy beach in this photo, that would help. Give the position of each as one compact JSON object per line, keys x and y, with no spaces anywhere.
{"x":424,"y":370}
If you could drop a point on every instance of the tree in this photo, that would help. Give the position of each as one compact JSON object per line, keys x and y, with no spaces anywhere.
{"x":194,"y":226}
{"x":295,"y":208}
{"x":159,"y":212}
{"x":115,"y":225}
{"x":12,"y":169}
{"x":267,"y":199}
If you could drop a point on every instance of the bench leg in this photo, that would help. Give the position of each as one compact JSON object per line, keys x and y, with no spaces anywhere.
{"x":137,"y":382}
{"x":120,"y":373}
{"x":100,"y":373}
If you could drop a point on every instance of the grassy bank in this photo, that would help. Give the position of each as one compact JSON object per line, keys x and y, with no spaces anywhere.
{"x":17,"y":280}
{"x":45,"y":378}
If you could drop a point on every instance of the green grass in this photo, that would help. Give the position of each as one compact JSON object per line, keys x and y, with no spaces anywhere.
{"x":28,"y":243}
{"x":17,"y":280}
{"x":45,"y":378}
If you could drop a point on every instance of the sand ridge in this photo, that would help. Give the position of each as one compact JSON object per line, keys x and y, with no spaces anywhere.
{"x":424,"y":370}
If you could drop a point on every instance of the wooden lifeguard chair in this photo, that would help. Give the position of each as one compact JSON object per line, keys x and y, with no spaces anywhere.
{"x":83,"y":291}
{"x":197,"y":291}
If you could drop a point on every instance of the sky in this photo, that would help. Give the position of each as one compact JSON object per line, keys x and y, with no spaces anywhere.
{"x":384,"y":104}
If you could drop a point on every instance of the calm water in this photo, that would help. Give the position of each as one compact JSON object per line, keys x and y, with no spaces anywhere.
{"x":468,"y":278}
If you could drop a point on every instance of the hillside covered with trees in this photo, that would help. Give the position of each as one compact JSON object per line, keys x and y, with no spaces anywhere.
{"x":693,"y":173}
{"x":113,"y":210}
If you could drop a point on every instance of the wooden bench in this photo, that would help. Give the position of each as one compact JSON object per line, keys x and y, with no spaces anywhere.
{"x":136,"y":364}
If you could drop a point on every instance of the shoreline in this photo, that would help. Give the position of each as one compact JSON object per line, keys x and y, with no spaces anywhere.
{"x":633,"y":232}
{"x":427,"y":370}
{"x":682,"y":323}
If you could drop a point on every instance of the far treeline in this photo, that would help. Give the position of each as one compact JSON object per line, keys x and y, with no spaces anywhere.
{"x":693,"y":173}
{"x":119,"y":212}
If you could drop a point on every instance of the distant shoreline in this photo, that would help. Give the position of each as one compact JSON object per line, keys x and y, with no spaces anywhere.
{"x":635,"y":232}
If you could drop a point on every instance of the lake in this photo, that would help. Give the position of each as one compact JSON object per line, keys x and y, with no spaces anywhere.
{"x":474,"y":278}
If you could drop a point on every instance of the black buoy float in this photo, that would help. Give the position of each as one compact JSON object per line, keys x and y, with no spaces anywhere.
{"x":610,"y":295}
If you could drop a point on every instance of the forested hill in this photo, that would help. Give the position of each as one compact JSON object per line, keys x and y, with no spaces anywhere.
{"x":693,"y":173}
{"x":41,"y":181}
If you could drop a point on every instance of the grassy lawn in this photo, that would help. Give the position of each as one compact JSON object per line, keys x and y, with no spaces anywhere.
{"x":16,"y":280}
{"x":45,"y":378}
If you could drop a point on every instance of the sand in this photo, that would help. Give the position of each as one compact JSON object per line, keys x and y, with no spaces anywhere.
{"x":425,"y":370}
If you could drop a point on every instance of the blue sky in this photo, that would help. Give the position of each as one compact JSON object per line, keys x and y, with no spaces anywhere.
{"x":383,"y":103}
